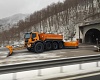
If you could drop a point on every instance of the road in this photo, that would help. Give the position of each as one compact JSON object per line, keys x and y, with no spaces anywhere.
{"x":25,"y":56}
{"x":95,"y":77}
{"x":88,"y":76}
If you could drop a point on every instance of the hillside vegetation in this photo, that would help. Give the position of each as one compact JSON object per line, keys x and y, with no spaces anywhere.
{"x":61,"y":17}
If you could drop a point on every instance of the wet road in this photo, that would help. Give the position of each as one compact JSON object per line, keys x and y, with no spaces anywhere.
{"x":95,"y":77}
{"x":25,"y":56}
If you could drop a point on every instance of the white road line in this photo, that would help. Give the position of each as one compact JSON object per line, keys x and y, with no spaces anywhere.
{"x":74,"y":51}
{"x":63,"y":52}
{"x":77,"y":77}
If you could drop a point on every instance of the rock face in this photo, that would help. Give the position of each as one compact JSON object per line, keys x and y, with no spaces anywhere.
{"x":8,"y":22}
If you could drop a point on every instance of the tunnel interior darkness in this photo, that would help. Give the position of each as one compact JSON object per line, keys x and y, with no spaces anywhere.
{"x":92,"y":36}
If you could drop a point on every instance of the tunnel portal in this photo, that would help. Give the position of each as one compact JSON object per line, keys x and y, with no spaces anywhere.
{"x":92,"y":36}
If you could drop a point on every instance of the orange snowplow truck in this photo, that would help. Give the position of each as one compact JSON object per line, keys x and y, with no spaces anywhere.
{"x":37,"y":43}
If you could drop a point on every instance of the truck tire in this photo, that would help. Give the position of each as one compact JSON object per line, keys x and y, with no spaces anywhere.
{"x":39,"y":47}
{"x":61,"y":45}
{"x":55,"y":45}
{"x":48,"y":46}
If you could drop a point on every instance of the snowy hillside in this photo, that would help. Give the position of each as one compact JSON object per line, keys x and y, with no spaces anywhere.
{"x":58,"y":18}
{"x":7,"y":22}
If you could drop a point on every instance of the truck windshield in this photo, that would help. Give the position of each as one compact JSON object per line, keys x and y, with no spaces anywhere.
{"x":27,"y":35}
{"x":33,"y":35}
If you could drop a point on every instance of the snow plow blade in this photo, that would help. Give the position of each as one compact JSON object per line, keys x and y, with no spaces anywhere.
{"x":10,"y":48}
{"x":13,"y":48}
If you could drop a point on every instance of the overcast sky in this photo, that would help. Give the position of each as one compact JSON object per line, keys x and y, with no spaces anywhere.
{"x":11,"y":7}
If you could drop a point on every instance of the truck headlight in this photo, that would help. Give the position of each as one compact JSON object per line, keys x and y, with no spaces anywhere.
{"x":95,"y":46}
{"x":28,"y":45}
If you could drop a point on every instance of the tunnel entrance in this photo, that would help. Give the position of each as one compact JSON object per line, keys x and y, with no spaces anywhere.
{"x":92,"y":35}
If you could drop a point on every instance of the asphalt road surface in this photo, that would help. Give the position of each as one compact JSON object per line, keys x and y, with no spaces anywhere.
{"x":96,"y":77}
{"x":90,"y":76}
{"x":25,"y":56}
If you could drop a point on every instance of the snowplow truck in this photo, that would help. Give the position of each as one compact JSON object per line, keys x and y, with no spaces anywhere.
{"x":38,"y":43}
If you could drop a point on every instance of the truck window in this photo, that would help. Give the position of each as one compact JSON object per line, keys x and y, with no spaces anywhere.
{"x":33,"y":35}
{"x":27,"y":35}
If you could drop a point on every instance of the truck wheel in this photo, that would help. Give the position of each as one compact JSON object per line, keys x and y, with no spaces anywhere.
{"x":39,"y":47}
{"x":55,"y":45}
{"x":48,"y":46}
{"x":61,"y":45}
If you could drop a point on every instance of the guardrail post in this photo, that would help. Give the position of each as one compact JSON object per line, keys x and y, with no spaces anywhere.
{"x":61,"y":69}
{"x":97,"y":64}
{"x":14,"y":76}
{"x":39,"y":72}
{"x":80,"y":66}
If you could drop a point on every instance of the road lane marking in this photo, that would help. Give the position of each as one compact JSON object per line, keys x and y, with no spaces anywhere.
{"x":84,"y":76}
{"x":74,"y":51}
{"x":63,"y":52}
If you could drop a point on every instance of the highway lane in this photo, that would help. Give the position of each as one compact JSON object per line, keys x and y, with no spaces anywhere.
{"x":87,"y":76}
{"x":24,"y":55}
{"x":95,"y":77}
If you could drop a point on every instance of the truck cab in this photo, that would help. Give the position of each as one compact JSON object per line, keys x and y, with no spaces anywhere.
{"x":32,"y":42}
{"x":31,"y":37}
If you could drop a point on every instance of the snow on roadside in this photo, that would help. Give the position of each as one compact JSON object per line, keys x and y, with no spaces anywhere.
{"x":3,"y":54}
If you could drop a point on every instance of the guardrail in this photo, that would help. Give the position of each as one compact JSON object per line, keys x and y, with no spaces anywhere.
{"x":47,"y":64}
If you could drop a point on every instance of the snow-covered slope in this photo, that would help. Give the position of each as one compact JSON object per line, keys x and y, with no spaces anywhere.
{"x":9,"y":21}
{"x":12,"y":19}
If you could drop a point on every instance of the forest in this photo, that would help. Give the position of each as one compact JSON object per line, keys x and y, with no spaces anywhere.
{"x":62,"y":18}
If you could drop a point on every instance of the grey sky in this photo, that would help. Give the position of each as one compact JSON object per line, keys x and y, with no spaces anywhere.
{"x":11,"y":7}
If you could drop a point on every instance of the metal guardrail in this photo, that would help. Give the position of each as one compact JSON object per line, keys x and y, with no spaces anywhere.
{"x":47,"y":64}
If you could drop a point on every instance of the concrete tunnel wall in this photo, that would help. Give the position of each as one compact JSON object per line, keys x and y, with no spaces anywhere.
{"x":89,"y":28}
